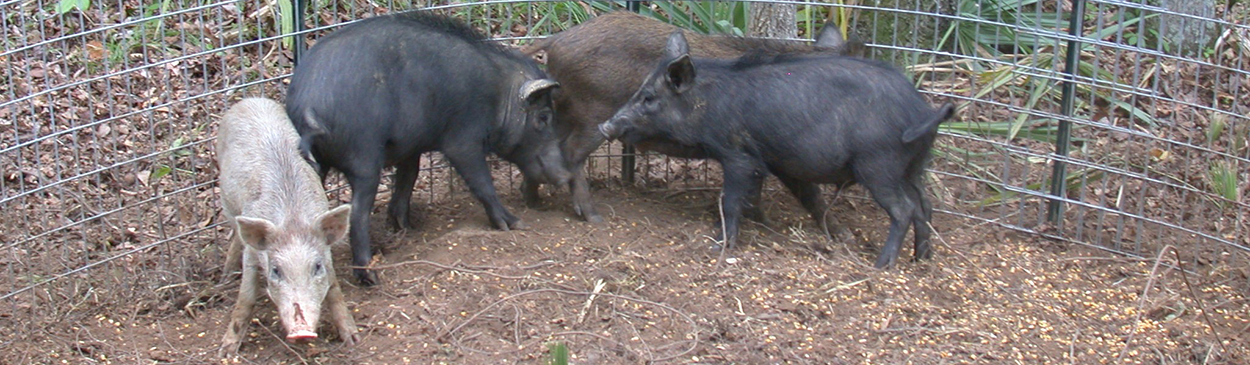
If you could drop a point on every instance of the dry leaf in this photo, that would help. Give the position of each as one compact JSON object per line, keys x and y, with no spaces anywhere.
{"x":95,"y":50}
{"x":143,"y":176}
{"x":1159,"y":155}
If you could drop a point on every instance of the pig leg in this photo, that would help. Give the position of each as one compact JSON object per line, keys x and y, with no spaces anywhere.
{"x":405,"y":178}
{"x":242,"y":309}
{"x":364,"y":185}
{"x":471,"y":165}
{"x":920,"y":220}
{"x":753,"y":210}
{"x":529,"y":192}
{"x":808,"y":194}
{"x":577,"y":148}
{"x":340,"y":316}
{"x":740,"y":180}
{"x":234,"y":255}
{"x":892,"y":194}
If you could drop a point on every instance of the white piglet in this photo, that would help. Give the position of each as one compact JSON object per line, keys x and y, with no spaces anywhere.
{"x":277,"y":205}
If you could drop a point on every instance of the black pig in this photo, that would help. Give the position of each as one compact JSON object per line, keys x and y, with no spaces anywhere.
{"x":383,"y":91}
{"x":601,"y":62}
{"x":805,"y":118}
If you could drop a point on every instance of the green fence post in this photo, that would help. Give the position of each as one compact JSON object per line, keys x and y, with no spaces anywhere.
{"x":1058,"y":179}
{"x":627,"y":152}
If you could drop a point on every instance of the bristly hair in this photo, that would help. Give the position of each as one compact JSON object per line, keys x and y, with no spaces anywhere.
{"x":748,"y":45}
{"x":456,"y":28}
{"x":762,"y":57}
{"x":441,"y":22}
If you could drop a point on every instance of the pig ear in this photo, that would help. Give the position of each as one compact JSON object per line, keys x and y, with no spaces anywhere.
{"x":830,"y":37}
{"x":334,"y":224}
{"x":533,"y":90}
{"x":254,"y":231}
{"x":676,"y":46}
{"x":680,"y":76}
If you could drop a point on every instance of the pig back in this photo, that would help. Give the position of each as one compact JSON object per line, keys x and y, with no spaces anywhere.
{"x":261,"y":172}
{"x":403,"y":81}
{"x":602,"y":62}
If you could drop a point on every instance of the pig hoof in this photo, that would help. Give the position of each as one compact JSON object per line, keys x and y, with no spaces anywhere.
{"x":400,"y":224}
{"x":399,"y":219}
{"x":532,"y":202}
{"x":885,"y":263}
{"x":843,"y":235}
{"x":518,"y":225}
{"x":756,"y":215}
{"x":923,"y":254}
{"x":228,"y":349}
{"x":351,"y":340}
{"x":587,"y":213}
{"x":365,"y":277}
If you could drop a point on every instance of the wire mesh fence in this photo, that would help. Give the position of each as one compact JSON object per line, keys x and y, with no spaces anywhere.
{"x":107,"y":181}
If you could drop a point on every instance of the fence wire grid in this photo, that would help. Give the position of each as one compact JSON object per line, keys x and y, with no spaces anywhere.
{"x":109,"y":108}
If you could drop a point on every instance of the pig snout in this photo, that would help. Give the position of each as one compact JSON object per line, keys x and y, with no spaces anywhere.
{"x":302,"y":330}
{"x":620,"y":124}
{"x":553,"y":167}
{"x":301,"y":336}
{"x":611,"y":129}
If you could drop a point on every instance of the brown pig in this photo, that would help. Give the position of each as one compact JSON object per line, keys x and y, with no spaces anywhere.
{"x":277,"y":205}
{"x":602,"y":62}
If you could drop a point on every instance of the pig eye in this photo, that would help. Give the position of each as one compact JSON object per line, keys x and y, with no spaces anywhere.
{"x":317,"y":268}
{"x":275,"y":273}
{"x":649,"y":100}
{"x":544,"y":118}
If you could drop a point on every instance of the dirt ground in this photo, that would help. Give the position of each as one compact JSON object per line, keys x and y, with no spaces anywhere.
{"x":646,"y":287}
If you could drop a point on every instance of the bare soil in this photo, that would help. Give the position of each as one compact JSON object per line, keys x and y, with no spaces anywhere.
{"x":644,"y":287}
{"x":648,"y":287}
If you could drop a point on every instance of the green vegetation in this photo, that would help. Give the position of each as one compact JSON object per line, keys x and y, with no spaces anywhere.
{"x":557,"y":354}
{"x":1223,"y":178}
{"x":1240,"y":134}
{"x":65,"y":6}
{"x":987,"y":26}
{"x":1216,"y":129}
{"x":179,"y":151}
{"x":711,"y":17}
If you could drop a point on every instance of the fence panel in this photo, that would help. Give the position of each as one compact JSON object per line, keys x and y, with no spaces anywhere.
{"x":107,"y":180}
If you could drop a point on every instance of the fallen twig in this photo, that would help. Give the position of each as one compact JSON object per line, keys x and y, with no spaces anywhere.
{"x":281,"y":341}
{"x":456,"y":267}
{"x":1146,"y":292}
{"x":687,"y":318}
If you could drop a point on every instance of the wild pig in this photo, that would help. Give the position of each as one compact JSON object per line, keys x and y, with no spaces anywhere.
{"x":808,"y":119}
{"x":601,"y":62}
{"x":277,"y":206}
{"x":384,"y":90}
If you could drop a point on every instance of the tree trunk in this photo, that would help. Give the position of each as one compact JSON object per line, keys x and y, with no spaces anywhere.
{"x":1188,"y":36}
{"x":773,"y":21}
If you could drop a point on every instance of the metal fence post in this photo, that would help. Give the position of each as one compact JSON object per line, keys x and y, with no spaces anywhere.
{"x":627,"y":151}
{"x":298,"y":12}
{"x":1058,"y":183}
